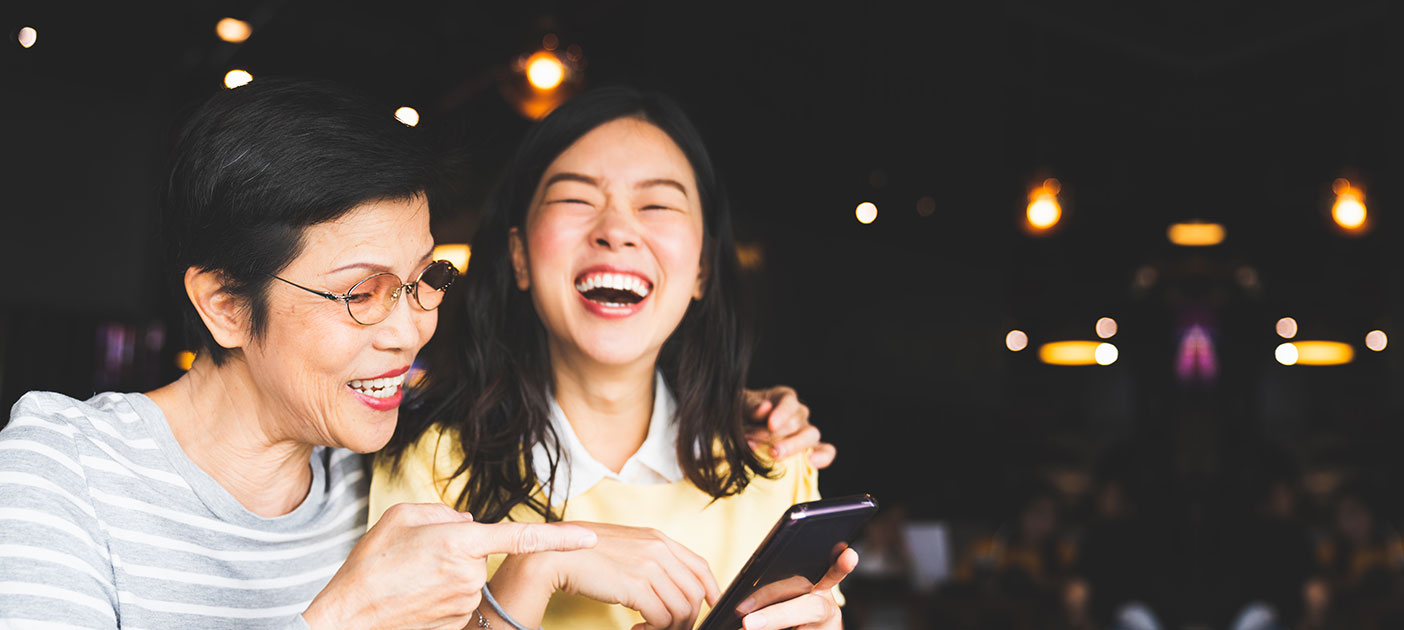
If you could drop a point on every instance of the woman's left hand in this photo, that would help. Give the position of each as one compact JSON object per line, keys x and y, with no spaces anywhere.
{"x":783,"y":423}
{"x":813,"y":610}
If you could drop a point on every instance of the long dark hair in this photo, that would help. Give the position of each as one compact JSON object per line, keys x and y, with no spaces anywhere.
{"x":489,"y":374}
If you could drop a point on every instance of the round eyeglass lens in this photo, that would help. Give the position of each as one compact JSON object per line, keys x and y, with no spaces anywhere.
{"x":437,"y":277}
{"x":372,"y":299}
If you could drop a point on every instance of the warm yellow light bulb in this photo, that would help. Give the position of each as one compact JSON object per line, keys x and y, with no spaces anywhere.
{"x":407,"y":115}
{"x":233,"y":31}
{"x":545,"y":71}
{"x":866,"y":212}
{"x":1044,"y":212}
{"x":1349,"y":211}
{"x":1106,"y":354}
{"x":237,"y":78}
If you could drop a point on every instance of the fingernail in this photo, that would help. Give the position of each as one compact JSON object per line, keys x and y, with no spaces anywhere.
{"x":755,"y":621}
{"x":747,"y":605}
{"x":586,"y":540}
{"x":777,"y":452}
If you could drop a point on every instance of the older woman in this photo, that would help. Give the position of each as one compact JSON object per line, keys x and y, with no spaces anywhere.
{"x":236,"y":496}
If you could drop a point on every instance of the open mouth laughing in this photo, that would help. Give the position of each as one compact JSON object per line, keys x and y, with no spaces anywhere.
{"x":613,"y":291}
{"x":383,"y":392}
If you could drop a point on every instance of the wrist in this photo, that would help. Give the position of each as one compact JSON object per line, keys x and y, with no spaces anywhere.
{"x":523,"y":585}
{"x":320,"y":615}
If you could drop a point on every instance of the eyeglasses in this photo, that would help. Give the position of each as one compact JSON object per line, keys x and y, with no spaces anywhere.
{"x":370,"y":301}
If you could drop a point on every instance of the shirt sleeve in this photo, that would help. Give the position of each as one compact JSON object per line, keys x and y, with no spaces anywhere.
{"x":55,"y":566}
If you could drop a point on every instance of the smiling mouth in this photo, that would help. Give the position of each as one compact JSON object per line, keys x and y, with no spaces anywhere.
{"x":613,"y":289}
{"x":378,"y":387}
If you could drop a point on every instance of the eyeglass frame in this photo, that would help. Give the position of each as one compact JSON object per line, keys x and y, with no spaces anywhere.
{"x":404,"y":288}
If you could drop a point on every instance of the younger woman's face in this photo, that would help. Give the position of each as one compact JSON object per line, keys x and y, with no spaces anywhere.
{"x":612,"y":249}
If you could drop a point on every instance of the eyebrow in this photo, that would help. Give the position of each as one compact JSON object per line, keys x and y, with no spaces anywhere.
{"x":662,"y":181}
{"x":376,"y":267}
{"x":586,"y":179}
{"x":571,"y":177}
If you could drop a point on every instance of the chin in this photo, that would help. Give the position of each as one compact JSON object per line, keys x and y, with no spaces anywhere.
{"x":369,"y":436}
{"x":617,"y":356}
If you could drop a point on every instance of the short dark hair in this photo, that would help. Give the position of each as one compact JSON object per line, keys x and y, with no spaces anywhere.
{"x":489,"y":376}
{"x":254,"y":166}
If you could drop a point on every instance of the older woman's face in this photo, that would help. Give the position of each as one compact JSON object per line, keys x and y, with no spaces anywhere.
{"x":613,"y":244}
{"x":316,"y":366}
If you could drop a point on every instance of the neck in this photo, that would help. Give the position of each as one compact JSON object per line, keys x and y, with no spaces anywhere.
{"x":236,"y":437}
{"x":608,"y":406}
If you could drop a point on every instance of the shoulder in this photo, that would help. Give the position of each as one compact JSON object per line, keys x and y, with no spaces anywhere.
{"x":43,"y":430}
{"x":44,"y":484}
{"x":109,"y":425}
{"x":791,"y":480}
{"x":434,"y":449}
{"x":109,"y":417}
{"x":422,"y":473}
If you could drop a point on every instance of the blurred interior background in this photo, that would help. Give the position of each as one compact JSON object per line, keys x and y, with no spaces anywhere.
{"x":1204,"y":194}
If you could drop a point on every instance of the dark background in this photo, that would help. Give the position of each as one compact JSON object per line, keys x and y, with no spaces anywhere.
{"x":1241,"y":112}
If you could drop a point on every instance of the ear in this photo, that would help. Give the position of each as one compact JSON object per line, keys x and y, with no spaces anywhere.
{"x":703,"y":272}
{"x":223,"y":313}
{"x":521,"y":269}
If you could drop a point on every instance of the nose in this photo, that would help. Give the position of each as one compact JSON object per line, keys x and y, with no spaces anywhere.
{"x":615,"y":228}
{"x":400,"y":331}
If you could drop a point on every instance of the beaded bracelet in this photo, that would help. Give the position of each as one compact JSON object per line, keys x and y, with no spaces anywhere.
{"x":497,"y":608}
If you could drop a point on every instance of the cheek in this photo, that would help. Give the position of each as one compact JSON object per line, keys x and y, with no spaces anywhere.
{"x":680,"y":253}
{"x":551,"y":246}
{"x":427,"y":323}
{"x":548,"y":247}
{"x":310,"y":351}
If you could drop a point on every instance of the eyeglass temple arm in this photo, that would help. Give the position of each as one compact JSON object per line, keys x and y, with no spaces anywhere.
{"x":330,"y":296}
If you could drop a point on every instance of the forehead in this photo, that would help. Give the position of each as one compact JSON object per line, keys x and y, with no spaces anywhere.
{"x":379,"y":228}
{"x":625,"y":150}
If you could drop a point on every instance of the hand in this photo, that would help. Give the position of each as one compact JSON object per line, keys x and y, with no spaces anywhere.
{"x":636,"y":567}
{"x":423,"y":566}
{"x":812,"y":610}
{"x":785,"y":425}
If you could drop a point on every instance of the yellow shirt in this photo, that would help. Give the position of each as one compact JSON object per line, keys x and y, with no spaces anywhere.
{"x":724,"y":532}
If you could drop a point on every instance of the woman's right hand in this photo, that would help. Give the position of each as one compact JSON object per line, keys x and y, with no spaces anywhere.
{"x":423,"y":566}
{"x":638,"y":568}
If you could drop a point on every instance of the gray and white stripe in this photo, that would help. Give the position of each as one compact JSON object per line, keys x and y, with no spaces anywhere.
{"x":104,"y":523}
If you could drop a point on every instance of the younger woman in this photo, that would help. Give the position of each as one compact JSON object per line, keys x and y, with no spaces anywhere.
{"x":598,"y":378}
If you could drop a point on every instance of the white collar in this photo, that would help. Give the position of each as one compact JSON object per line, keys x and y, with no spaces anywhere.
{"x":656,"y":461}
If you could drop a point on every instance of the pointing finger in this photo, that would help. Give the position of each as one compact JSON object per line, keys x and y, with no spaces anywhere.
{"x":485,"y":539}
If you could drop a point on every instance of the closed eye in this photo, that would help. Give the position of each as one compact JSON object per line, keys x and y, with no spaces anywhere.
{"x":570,"y":200}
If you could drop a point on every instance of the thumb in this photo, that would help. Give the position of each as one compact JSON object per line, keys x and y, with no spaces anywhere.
{"x":846,"y":562}
{"x":515,"y":538}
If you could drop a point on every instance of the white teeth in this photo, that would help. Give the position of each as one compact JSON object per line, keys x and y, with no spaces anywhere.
{"x":617,"y":281}
{"x":378,"y":387}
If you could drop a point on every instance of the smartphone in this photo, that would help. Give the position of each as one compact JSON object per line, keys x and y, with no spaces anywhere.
{"x":795,"y":555}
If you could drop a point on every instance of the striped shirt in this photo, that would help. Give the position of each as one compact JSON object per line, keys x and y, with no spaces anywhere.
{"x":105,"y":523}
